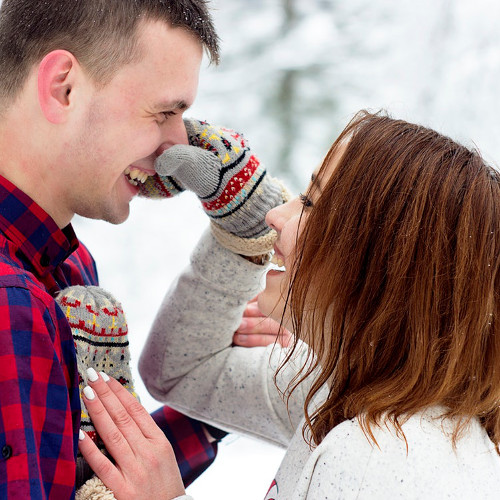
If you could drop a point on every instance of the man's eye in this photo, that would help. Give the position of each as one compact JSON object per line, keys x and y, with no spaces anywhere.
{"x":305,"y":200}
{"x":165,"y":115}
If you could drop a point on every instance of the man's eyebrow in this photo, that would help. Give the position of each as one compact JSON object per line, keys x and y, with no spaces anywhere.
{"x":172,"y":105}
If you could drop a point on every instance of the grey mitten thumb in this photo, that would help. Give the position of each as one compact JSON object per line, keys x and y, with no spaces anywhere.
{"x":197,"y":169}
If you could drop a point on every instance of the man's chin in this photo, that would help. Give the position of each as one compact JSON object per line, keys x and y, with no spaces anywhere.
{"x":117,"y":219}
{"x":112,"y":217}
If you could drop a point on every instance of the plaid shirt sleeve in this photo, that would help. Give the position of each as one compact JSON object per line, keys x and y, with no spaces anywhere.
{"x":37,"y":434}
{"x":193,"y":451}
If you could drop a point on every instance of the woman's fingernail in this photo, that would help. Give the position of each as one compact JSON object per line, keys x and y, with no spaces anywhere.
{"x":81,"y":435}
{"x":92,"y":374}
{"x":104,"y":376}
{"x":89,"y":393}
{"x":243,"y":324}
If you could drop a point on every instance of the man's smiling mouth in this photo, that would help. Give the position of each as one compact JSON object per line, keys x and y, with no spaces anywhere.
{"x":135,"y":175}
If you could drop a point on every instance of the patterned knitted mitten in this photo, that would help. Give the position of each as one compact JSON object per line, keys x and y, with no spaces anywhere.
{"x":160,"y":186}
{"x":235,"y":190}
{"x":100,"y":334}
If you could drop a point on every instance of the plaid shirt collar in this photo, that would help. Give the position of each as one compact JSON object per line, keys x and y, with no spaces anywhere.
{"x":39,"y":241}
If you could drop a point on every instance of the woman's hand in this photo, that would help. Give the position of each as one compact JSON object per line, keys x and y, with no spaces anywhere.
{"x":259,"y":330}
{"x":145,"y":465}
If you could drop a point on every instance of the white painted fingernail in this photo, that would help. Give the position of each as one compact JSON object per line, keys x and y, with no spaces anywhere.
{"x":104,"y":376}
{"x":92,"y":374}
{"x":89,"y":393}
{"x":81,"y":435}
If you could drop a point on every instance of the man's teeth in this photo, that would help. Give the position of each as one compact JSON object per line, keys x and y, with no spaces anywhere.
{"x":134,"y":176}
{"x":278,"y":261}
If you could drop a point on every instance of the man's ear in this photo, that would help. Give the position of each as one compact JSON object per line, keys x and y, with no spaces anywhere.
{"x":56,"y":78}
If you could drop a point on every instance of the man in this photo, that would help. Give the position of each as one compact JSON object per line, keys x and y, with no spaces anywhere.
{"x":91,"y":93}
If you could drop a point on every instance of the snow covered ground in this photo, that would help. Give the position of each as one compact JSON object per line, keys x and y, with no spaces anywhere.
{"x":292,"y":74}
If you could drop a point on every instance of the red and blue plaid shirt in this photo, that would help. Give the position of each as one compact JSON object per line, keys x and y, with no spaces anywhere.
{"x":39,"y":399}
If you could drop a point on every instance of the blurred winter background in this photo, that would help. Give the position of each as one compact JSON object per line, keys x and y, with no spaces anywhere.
{"x":292,"y":74}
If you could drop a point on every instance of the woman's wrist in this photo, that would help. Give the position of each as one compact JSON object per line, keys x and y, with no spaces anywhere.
{"x":260,"y":260}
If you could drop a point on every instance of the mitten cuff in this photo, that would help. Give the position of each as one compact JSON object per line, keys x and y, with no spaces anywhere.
{"x":287,"y":196}
{"x":249,"y":246}
{"x":94,"y":489}
{"x":244,"y":246}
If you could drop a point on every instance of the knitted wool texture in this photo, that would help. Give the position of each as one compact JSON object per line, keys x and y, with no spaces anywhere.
{"x":235,"y":190}
{"x":159,"y":186}
{"x":248,"y":246}
{"x":94,"y":489}
{"x":100,"y":334}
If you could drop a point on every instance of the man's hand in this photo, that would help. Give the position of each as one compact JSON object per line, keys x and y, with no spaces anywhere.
{"x":259,"y":330}
{"x":145,"y":465}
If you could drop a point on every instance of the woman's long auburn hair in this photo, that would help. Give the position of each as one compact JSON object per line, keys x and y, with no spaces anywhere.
{"x":396,"y":281}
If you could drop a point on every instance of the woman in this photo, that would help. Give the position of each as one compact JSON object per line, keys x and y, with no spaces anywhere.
{"x":390,"y":285}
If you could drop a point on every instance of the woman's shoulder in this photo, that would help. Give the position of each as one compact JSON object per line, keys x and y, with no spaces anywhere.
{"x":426,"y":462}
{"x":420,"y":429}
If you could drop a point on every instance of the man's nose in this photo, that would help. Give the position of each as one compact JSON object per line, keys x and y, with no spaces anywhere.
{"x":173,"y":132}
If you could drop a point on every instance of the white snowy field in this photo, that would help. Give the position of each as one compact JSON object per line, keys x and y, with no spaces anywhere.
{"x":292,"y":74}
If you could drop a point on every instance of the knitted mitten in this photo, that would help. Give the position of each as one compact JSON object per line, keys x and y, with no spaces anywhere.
{"x":235,"y":190}
{"x":100,"y":334}
{"x":94,"y":489}
{"x":160,"y":186}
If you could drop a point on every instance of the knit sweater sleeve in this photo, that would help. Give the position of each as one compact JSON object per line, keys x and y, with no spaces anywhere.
{"x":189,"y":361}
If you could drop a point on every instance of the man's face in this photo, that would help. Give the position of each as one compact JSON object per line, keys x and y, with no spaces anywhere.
{"x":129,"y":122}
